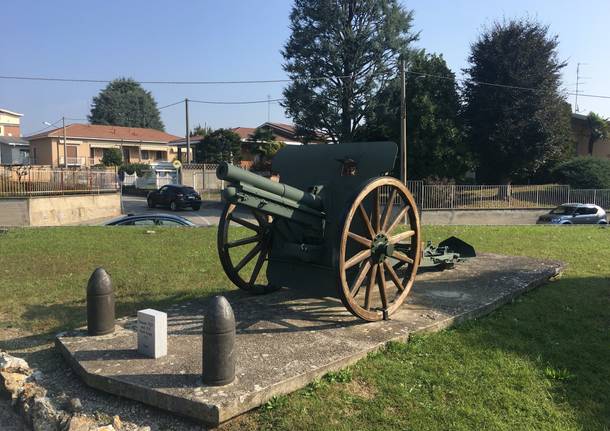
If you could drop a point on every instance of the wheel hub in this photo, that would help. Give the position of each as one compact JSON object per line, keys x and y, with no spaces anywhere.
{"x":381,"y":248}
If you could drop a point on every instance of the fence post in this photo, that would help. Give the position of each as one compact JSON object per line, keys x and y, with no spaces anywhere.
{"x":537,"y":194}
{"x":594,"y":196}
{"x":453,"y":196}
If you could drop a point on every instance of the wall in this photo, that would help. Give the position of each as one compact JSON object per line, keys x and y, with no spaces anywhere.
{"x":58,"y":210}
{"x":481,"y":217}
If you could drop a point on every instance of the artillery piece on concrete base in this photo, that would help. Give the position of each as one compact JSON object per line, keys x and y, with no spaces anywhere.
{"x":335,"y":220}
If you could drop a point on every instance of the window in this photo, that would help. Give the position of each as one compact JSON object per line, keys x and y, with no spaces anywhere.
{"x":92,"y":152}
{"x":160,"y":155}
{"x":145,"y":155}
{"x":144,"y":222}
{"x":165,"y":222}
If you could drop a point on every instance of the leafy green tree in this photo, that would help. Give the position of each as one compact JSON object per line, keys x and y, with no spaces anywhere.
{"x":264,"y":144}
{"x":520,"y":127}
{"x":435,"y":145}
{"x":584,"y":173}
{"x":112,"y":157}
{"x":262,"y":134}
{"x":219,"y":145}
{"x":599,"y":129}
{"x":125,"y":103}
{"x":200,"y":131}
{"x":354,"y":46}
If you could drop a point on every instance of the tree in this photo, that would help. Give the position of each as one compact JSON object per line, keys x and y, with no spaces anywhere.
{"x":520,"y":127}
{"x":220,"y":145}
{"x":200,"y":131}
{"x":112,"y":157}
{"x":434,"y":138}
{"x":264,"y":144}
{"x":599,"y":129}
{"x":352,"y":48}
{"x":125,"y":103}
{"x":584,"y":173}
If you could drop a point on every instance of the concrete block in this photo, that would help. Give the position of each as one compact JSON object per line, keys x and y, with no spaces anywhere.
{"x":152,"y":333}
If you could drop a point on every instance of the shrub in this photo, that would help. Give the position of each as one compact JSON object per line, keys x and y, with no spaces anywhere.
{"x":138,"y":168}
{"x":584,"y":173}
{"x":112,"y":157}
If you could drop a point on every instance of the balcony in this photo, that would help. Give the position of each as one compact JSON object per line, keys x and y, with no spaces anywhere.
{"x":73,"y":161}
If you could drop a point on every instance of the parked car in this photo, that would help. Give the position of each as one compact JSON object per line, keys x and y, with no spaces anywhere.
{"x":575,"y":214}
{"x":174,"y":196}
{"x":150,"y":220}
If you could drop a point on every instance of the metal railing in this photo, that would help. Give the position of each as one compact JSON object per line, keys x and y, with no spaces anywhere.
{"x":506,"y":196}
{"x":73,"y":161}
{"x":40,"y":181}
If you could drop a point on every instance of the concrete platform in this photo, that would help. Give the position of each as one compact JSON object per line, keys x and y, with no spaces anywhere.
{"x":288,"y":338}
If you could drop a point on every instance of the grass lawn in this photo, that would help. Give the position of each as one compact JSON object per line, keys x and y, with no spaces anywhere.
{"x":542,"y":362}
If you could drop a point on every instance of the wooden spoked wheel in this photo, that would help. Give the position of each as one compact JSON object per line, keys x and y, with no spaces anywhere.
{"x":371,"y":286}
{"x":243,"y":257}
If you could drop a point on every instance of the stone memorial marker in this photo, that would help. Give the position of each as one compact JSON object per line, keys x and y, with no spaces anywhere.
{"x":152,"y":333}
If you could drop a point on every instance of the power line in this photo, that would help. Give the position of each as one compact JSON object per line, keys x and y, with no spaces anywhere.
{"x":172,"y":104}
{"x":493,"y":84}
{"x":106,"y":81}
{"x":246,"y":102}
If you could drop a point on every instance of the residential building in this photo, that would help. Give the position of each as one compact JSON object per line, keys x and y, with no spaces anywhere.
{"x":14,"y":150}
{"x":283,"y":132}
{"x":86,"y":143}
{"x":582,"y":132}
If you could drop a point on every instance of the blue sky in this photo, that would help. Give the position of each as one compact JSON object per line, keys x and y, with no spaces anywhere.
{"x":238,"y":40}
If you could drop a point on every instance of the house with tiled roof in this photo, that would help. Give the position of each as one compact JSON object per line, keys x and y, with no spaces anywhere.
{"x":14,"y":150}
{"x":84,"y":145}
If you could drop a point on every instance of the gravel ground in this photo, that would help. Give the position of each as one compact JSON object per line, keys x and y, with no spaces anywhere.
{"x":62,"y":384}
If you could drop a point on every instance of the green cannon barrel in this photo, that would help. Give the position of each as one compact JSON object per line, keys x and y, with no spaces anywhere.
{"x":228,"y":172}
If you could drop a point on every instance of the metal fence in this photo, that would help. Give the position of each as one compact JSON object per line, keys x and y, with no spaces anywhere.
{"x":40,"y":181}
{"x":506,"y":196}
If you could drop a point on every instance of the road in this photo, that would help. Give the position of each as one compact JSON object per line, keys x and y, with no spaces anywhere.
{"x":208,"y":214}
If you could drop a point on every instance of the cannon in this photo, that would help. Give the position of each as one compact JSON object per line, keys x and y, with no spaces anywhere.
{"x":334,"y":221}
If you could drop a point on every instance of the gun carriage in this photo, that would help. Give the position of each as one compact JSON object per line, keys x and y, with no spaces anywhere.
{"x":334,"y":221}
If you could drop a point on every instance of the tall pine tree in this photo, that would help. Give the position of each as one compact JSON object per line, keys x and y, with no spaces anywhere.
{"x":519,"y":128}
{"x":354,"y":46}
{"x":125,"y":103}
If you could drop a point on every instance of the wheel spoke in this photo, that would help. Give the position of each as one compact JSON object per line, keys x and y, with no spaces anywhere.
{"x":245,"y":223}
{"x":367,"y":221}
{"x":258,"y":266}
{"x":244,"y":241}
{"x":261,"y":218}
{"x":384,"y":299}
{"x":402,"y":257}
{"x":248,"y":257}
{"x":364,"y":270}
{"x":377,"y":210}
{"x":387,"y":212}
{"x":397,"y":220}
{"x":357,"y":258}
{"x":360,"y":239}
{"x":402,"y":235}
{"x":393,"y":275}
{"x":369,"y":288}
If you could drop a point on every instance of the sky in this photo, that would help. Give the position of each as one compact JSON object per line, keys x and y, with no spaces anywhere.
{"x":204,"y":40}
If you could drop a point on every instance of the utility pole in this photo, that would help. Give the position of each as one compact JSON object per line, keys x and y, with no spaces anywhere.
{"x":403,"y":123}
{"x":188,"y":135}
{"x":63,"y":124}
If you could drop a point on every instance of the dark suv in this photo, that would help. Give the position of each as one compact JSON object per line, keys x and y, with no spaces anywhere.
{"x":175,"y":196}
